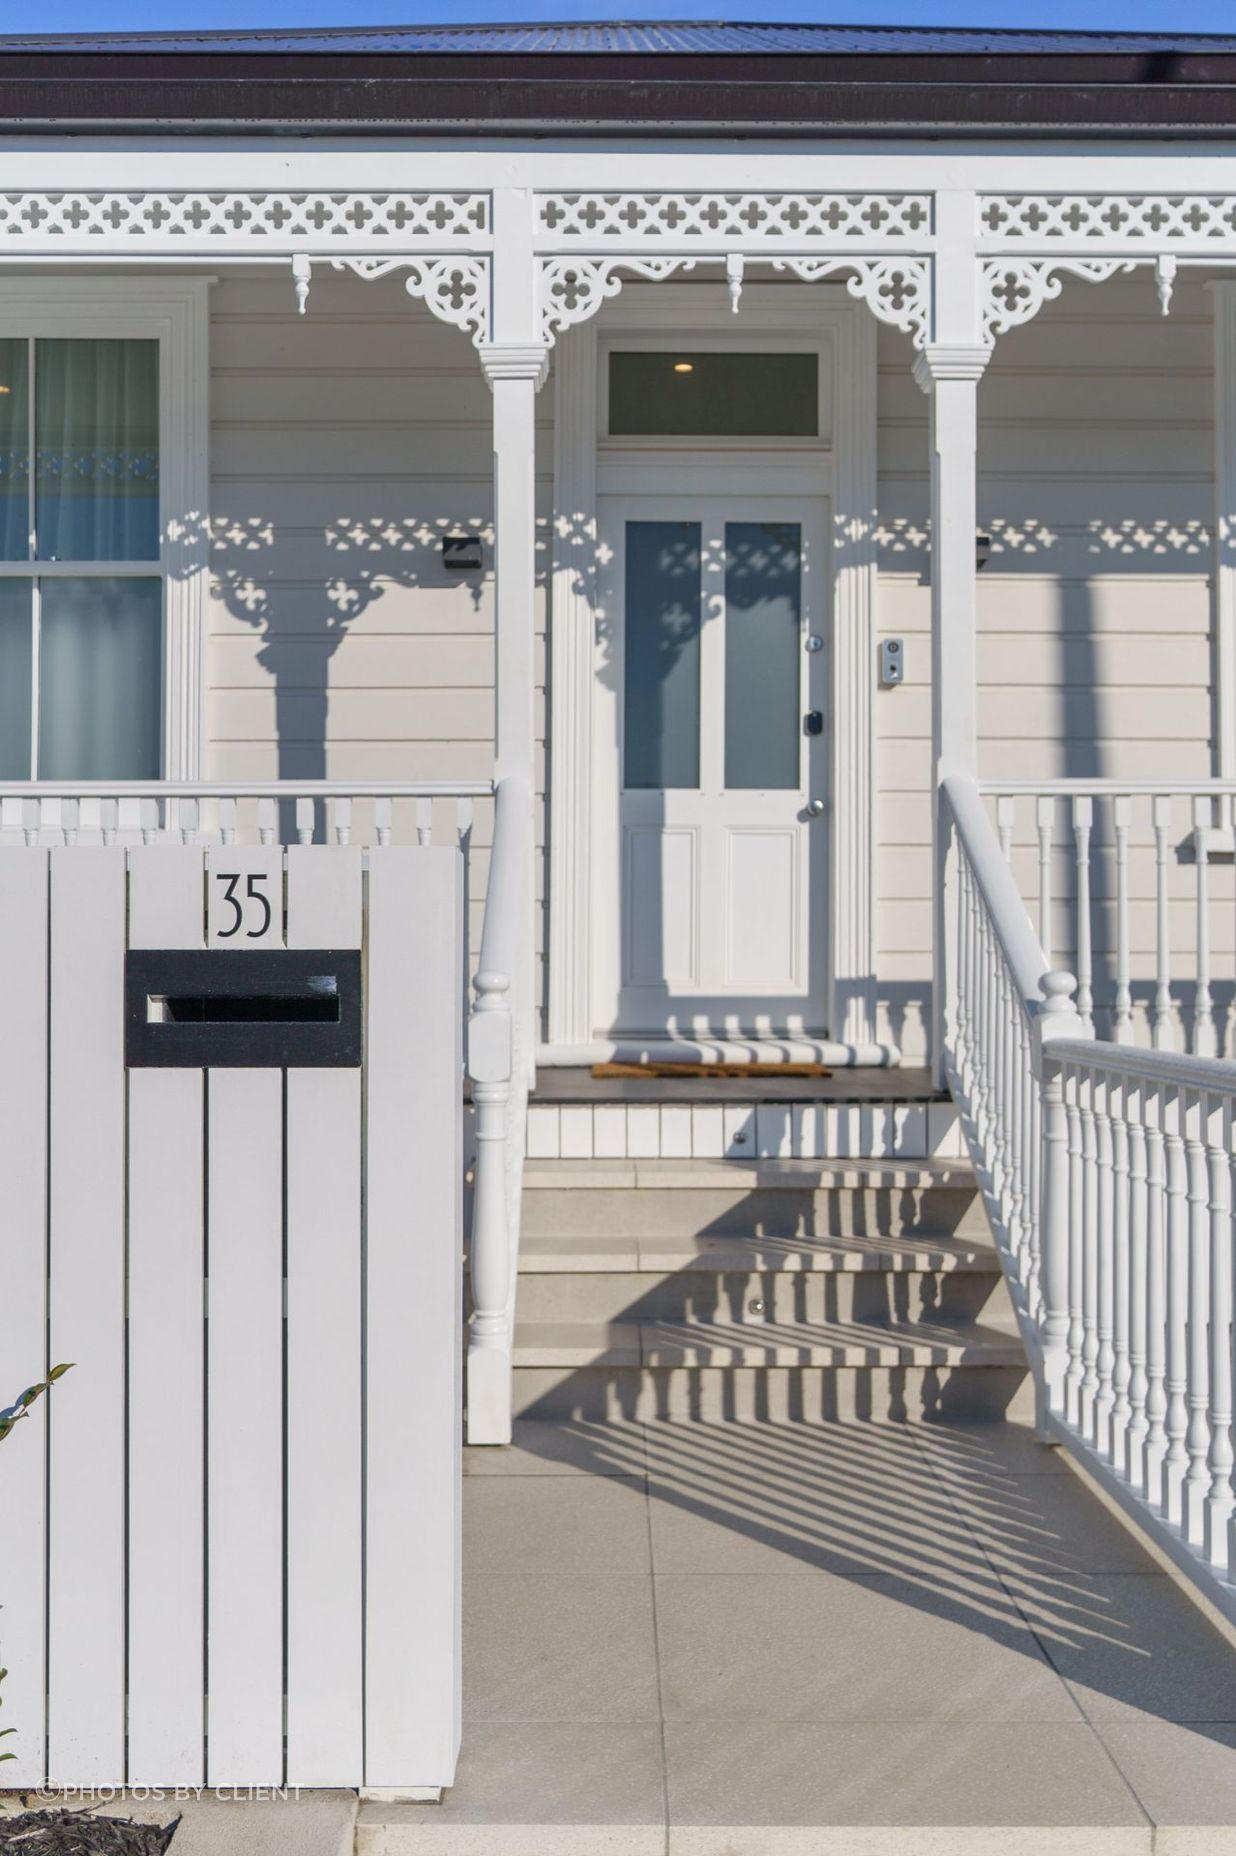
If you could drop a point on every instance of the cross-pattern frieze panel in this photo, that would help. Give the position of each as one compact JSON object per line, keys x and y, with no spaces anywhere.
{"x":1083,"y":219}
{"x":749,"y":219}
{"x":282,"y":220}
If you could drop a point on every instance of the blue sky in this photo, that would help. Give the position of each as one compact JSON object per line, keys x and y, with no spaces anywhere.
{"x":171,"y":15}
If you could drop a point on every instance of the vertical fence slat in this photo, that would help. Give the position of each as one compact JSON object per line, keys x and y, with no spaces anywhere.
{"x":325,"y":1727}
{"x":23,"y":1302}
{"x":166,"y":1346}
{"x":86,"y":1647}
{"x":413,"y":1314}
{"x":244,"y":1643}
{"x":244,"y":1375}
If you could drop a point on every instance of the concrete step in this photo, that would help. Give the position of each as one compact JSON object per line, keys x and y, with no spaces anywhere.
{"x":667,"y":1198}
{"x":710,"y":1292}
{"x":967,"y":1393}
{"x":718,"y":1288}
{"x":766,"y":1343}
{"x":649,"y":1369}
{"x":551,"y":1253}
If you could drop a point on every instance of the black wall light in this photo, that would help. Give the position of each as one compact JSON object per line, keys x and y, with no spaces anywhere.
{"x":461,"y":554}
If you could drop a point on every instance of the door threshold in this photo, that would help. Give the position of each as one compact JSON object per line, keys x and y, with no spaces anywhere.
{"x":757,"y":1049}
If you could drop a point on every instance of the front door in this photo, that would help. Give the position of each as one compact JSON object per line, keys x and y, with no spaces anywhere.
{"x":711,"y":839}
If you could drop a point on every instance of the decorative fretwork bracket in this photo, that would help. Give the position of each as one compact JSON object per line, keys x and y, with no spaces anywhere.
{"x":573,"y":289}
{"x":895,"y":290}
{"x":1014,"y":290}
{"x":453,"y":288}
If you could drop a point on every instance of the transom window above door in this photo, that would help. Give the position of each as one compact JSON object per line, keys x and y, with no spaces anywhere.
{"x":713,"y":393}
{"x":81,"y":575}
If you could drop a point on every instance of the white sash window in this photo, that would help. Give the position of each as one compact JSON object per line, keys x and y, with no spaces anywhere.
{"x":102,"y":530}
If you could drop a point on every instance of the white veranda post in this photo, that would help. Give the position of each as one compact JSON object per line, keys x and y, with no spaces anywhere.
{"x":503,"y":1039}
{"x":949,"y":369}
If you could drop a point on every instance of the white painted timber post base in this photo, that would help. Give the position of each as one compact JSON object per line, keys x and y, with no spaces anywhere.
{"x":949,"y":374}
{"x":489,"y":1334}
{"x":1057,"y":1019}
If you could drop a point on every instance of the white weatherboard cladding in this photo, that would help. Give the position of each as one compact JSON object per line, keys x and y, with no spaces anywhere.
{"x":346,"y":442}
{"x":344,"y":445}
{"x":1094,"y":643}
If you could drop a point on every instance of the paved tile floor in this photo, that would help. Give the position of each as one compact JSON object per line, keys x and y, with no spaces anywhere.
{"x":821,"y":1641}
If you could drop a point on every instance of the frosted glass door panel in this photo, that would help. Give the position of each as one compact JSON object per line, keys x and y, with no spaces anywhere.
{"x":99,"y":679}
{"x":16,"y":669}
{"x":661,"y":675}
{"x":14,"y":449}
{"x":763,"y":652}
{"x":96,"y":419}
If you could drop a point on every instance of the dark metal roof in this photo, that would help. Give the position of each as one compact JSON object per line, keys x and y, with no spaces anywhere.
{"x":696,"y":78}
{"x":658,"y":37}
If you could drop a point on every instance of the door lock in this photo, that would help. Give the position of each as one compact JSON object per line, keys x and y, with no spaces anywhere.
{"x":813,"y":722}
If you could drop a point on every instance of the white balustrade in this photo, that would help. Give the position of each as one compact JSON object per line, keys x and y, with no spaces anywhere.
{"x":1104,"y":867}
{"x":239,"y":812}
{"x":1106,"y":1169}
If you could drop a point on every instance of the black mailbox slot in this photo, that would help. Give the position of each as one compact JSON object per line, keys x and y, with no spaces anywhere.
{"x":252,"y":1009}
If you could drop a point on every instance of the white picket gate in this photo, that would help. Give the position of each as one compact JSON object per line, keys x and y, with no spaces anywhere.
{"x":230,"y":1546}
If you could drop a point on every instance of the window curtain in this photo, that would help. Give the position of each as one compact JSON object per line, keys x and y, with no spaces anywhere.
{"x":96,"y":422}
{"x":14,"y":449}
{"x":100,"y":677}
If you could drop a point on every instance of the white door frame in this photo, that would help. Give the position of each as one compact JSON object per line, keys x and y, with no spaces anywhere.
{"x":849,"y":467}
{"x":713,"y":493}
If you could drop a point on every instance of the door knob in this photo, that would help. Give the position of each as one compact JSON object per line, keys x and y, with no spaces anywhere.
{"x":815,"y":808}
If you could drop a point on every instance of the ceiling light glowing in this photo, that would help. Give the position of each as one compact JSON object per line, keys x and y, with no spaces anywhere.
{"x":684,"y":367}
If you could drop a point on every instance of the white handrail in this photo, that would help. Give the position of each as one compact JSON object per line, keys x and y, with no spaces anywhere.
{"x":499,"y":1076}
{"x":1006,"y":910}
{"x":1108,"y":1175}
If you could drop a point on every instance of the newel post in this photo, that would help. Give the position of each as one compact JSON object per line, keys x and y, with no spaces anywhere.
{"x":1057,"y":1019}
{"x":489,"y":1334}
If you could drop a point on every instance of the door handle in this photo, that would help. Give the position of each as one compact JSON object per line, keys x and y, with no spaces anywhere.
{"x":815,"y":808}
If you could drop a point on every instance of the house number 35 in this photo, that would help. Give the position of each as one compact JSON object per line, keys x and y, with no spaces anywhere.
{"x":255,"y":904}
